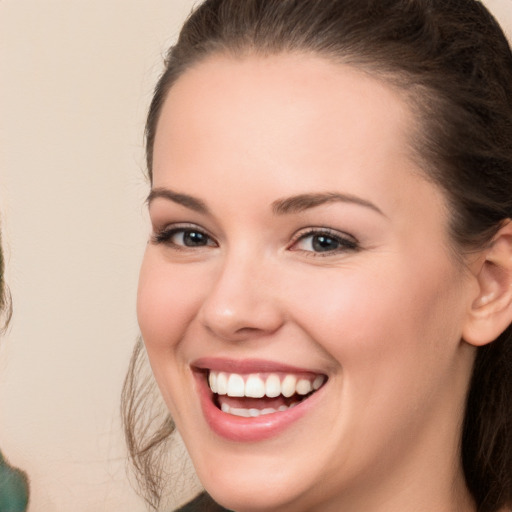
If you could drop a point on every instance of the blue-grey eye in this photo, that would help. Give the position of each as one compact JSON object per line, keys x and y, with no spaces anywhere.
{"x":183,"y":237}
{"x":323,"y":243}
{"x":190,"y":238}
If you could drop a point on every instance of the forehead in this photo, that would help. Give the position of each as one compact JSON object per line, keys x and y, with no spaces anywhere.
{"x":279,"y":112}
{"x":288,"y":81}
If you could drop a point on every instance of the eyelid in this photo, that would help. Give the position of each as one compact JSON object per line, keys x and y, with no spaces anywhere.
{"x":323,"y":230}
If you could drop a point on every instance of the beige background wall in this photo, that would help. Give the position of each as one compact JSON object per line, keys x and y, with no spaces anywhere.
{"x":76,"y":78}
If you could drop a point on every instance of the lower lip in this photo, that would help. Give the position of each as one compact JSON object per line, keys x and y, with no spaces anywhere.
{"x":237,"y":428}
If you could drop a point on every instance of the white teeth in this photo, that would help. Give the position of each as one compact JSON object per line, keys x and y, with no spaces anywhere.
{"x":252,"y":413}
{"x":212,"y":380}
{"x":303,"y":387}
{"x":236,"y":386}
{"x":318,"y":382}
{"x":273,"y":386}
{"x":254,"y":386}
{"x":288,"y":385}
{"x":245,"y":413}
{"x":222,"y":383}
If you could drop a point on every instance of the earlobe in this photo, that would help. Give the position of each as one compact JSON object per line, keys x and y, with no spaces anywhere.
{"x":491,"y":311}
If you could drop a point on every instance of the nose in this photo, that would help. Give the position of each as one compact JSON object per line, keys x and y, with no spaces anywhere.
{"x":242,"y":301}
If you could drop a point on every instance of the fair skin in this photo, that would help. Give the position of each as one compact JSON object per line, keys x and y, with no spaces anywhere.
{"x":356,"y":287}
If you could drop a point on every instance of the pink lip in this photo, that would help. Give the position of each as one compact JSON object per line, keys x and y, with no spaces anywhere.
{"x":235,"y":428}
{"x":248,"y":366}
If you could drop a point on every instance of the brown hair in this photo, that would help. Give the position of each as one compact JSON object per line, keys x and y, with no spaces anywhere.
{"x":453,"y":65}
{"x":5,"y":299}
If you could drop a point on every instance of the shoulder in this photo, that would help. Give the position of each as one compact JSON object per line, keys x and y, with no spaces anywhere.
{"x":202,"y":503}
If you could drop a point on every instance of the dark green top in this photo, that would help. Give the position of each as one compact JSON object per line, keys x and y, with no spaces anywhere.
{"x":202,"y":503}
{"x":13,"y":488}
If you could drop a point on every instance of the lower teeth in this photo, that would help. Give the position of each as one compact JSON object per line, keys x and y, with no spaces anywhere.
{"x":254,"y":413}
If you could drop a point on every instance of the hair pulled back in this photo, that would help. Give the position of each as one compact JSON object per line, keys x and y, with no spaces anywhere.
{"x":5,"y":302}
{"x":453,"y":65}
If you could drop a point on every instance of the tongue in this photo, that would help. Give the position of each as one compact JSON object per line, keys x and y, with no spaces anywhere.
{"x":256,"y":403}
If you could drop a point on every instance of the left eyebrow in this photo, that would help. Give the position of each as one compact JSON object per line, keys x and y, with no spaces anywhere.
{"x":185,"y":200}
{"x":301,"y":202}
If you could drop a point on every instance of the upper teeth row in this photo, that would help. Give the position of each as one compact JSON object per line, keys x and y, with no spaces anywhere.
{"x":254,"y":386}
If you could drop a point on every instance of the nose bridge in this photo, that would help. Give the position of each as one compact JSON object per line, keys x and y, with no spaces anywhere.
{"x":241,"y":301}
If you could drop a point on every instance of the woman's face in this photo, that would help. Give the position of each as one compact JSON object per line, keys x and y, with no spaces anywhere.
{"x":297,"y":253}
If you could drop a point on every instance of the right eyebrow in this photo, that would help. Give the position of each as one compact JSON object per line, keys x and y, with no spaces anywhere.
{"x":190,"y":202}
{"x":304,"y":202}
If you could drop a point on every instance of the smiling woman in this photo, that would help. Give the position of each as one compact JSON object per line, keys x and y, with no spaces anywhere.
{"x":326,"y":295}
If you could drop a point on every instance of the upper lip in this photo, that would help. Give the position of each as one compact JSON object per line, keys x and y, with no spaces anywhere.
{"x":246,"y":366}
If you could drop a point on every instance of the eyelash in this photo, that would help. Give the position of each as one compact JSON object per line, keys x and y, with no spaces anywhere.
{"x":346,"y":242}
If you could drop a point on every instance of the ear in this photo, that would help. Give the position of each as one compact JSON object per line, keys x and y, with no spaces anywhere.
{"x":491,"y":311}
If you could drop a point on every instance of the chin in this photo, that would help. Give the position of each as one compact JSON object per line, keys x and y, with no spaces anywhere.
{"x":258,"y":478}
{"x":255,"y":497}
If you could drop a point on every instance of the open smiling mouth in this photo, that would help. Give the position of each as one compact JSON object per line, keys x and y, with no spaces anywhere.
{"x":257,"y":394}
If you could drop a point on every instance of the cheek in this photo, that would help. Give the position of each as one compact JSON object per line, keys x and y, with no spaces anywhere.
{"x":167,"y":300}
{"x":393,"y":333}
{"x":393,"y":317}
